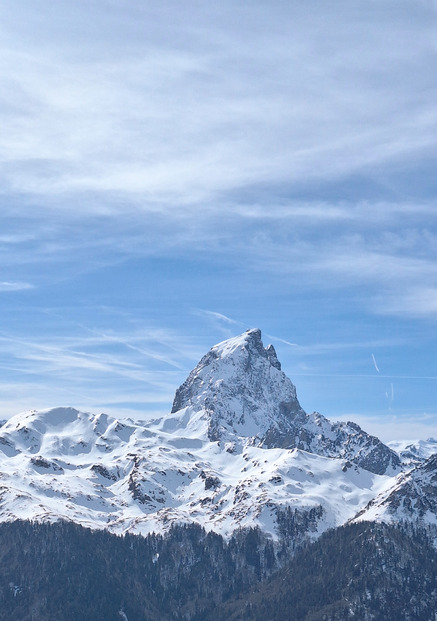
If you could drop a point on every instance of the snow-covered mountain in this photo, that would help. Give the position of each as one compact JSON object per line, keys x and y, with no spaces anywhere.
{"x":413,"y":453}
{"x":411,"y":497}
{"x":128,"y":476}
{"x":241,"y":395}
{"x":237,"y":450}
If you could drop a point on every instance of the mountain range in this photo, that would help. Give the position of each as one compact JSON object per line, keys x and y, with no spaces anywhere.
{"x":237,"y":454}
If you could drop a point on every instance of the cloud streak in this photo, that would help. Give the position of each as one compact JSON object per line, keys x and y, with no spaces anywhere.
{"x":374,"y":364}
{"x":110,"y":122}
{"x":136,"y":369}
{"x":6,"y":286}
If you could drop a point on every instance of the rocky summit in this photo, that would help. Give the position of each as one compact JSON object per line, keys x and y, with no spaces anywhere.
{"x":243,"y":393}
{"x":245,"y":396}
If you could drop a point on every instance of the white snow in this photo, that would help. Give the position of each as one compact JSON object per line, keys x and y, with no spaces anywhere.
{"x":414,"y":451}
{"x":141,"y":477}
{"x":169,"y":468}
{"x":411,"y":496}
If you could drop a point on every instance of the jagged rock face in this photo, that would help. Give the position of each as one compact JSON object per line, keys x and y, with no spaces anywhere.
{"x":240,"y":386}
{"x":365,"y":450}
{"x":241,"y":389}
{"x":412,"y":497}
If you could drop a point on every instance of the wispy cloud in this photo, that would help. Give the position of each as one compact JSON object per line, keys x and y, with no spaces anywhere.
{"x":221,"y":323}
{"x":218,"y":317}
{"x":396,"y":267}
{"x":414,"y":301}
{"x":276,"y":338}
{"x":315,"y":349}
{"x":106,"y":121}
{"x":95,"y":133}
{"x":139,"y":368}
{"x":14,"y":286}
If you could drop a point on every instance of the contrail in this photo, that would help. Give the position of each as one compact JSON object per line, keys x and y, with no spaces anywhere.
{"x":374,"y":362}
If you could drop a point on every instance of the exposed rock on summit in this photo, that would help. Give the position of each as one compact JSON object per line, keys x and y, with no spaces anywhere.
{"x":244,"y":395}
{"x":243,"y":392}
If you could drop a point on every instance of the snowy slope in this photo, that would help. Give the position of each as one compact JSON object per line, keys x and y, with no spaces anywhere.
{"x":237,"y":450}
{"x":411,"y":498}
{"x":102,"y":473}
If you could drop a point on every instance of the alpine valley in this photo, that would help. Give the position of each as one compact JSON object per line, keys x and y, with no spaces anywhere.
{"x":235,"y":505}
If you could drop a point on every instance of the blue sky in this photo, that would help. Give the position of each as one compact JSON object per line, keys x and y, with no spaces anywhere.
{"x":175,"y":173}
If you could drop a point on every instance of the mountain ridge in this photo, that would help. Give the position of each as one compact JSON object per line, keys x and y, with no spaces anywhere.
{"x":243,"y":392}
{"x":236,"y":451}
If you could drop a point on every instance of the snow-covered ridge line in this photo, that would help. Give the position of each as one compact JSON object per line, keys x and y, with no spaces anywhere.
{"x":237,"y":450}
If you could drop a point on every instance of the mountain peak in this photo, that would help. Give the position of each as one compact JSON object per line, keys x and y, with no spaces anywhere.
{"x":242,"y":390}
{"x":249,"y":340}
{"x":239,"y":393}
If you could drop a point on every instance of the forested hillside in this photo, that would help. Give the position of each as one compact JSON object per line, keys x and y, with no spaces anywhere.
{"x":361,"y":571}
